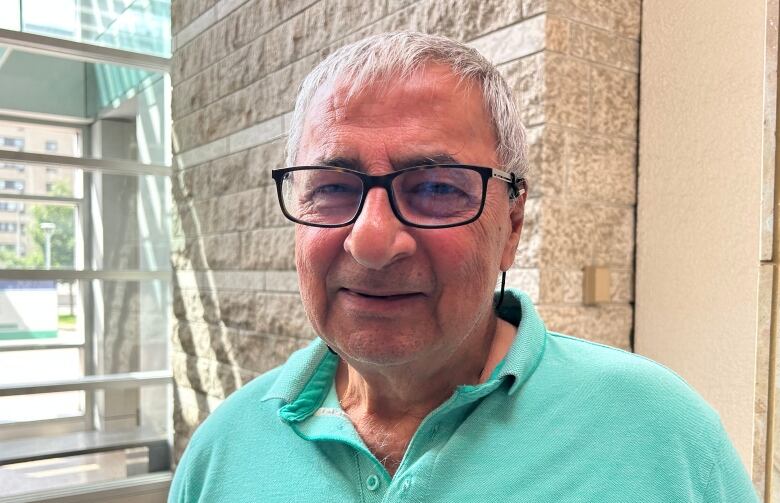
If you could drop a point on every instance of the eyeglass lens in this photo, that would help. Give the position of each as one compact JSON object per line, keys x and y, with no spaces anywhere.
{"x":428,"y":196}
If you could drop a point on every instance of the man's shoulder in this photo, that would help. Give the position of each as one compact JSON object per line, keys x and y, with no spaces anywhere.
{"x":251,"y":406}
{"x":619,"y":379}
{"x":245,"y":405}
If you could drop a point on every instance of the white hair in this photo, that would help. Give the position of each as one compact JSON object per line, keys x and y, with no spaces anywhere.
{"x":402,"y":53}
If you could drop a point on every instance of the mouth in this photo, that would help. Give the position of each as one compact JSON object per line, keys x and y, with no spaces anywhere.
{"x":382,"y":296}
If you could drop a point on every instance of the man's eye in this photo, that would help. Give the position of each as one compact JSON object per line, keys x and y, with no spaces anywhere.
{"x":333,"y":188}
{"x":435,"y":189}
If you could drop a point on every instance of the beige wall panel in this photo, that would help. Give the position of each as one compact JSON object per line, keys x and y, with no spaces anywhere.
{"x":699,"y":199}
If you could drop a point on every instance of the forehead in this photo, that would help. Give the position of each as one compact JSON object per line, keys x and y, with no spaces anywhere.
{"x":431,"y":111}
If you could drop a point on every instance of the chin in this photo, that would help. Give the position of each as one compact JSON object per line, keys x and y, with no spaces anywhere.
{"x":368,"y":349}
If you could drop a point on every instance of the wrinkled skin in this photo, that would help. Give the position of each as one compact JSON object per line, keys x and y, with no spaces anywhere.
{"x":447,"y":276}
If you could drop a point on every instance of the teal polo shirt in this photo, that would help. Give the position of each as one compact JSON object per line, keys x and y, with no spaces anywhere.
{"x":560,"y":420}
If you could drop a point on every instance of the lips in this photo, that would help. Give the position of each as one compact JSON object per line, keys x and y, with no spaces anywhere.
{"x":381,"y":295}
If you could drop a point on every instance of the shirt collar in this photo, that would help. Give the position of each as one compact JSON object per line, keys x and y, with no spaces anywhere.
{"x":302,"y":380}
{"x":526,"y":351}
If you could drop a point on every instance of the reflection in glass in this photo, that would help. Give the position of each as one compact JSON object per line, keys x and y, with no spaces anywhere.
{"x":138,"y":25}
{"x":33,"y":236}
{"x":38,"y":138}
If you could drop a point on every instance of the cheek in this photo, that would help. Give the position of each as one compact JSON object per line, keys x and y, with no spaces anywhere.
{"x":315,"y":251}
{"x":467,"y":257}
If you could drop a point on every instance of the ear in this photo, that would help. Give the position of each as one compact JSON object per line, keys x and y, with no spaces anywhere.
{"x":516,"y":215}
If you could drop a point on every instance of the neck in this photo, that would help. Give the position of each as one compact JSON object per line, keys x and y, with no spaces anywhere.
{"x":387,"y":406}
{"x":414,"y":390}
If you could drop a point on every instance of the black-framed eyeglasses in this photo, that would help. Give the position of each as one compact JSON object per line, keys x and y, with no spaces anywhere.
{"x":431,"y":196}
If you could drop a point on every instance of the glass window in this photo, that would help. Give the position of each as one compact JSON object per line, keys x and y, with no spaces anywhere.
{"x":13,"y":143}
{"x":85,"y":279}
{"x":132,"y":25}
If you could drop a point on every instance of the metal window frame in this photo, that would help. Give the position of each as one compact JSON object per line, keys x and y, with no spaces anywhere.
{"x":90,"y":383}
{"x":94,"y":54}
{"x":111,"y":166}
{"x":80,"y":51}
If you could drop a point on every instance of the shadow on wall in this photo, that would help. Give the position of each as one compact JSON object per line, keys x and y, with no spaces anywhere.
{"x":233,"y":321}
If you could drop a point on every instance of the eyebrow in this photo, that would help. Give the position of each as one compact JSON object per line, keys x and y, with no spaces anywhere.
{"x":402,"y":163}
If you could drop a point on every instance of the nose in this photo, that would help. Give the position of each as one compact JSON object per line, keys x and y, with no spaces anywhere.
{"x":377,"y":238}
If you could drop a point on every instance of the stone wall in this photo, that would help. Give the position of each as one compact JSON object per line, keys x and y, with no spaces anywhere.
{"x":236,"y":67}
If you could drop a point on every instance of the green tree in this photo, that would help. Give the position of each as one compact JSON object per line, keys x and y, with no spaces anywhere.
{"x":62,"y":239}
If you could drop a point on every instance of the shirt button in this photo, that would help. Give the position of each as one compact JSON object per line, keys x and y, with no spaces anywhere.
{"x":372,"y":482}
{"x":406,"y":485}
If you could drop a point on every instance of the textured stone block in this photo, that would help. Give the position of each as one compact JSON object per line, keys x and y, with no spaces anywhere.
{"x":225,"y":7}
{"x":182,"y":185}
{"x":200,"y":154}
{"x":614,"y":102}
{"x":226,"y":175}
{"x":208,"y":376}
{"x":272,"y":212}
{"x":258,"y":134}
{"x":239,"y":69}
{"x":466,"y":20}
{"x":221,"y":251}
{"x":250,"y":20}
{"x":195,"y":93}
{"x":628,"y":17}
{"x":261,"y":353}
{"x":558,"y":286}
{"x":183,"y":12}
{"x":237,"y":308}
{"x":268,"y":249}
{"x":593,"y":12}
{"x":557,"y":34}
{"x":526,"y":280}
{"x":600,"y":169}
{"x":204,"y":50}
{"x":568,"y":232}
{"x":567,"y":96}
{"x":529,"y":249}
{"x":394,"y":5}
{"x":246,"y":349}
{"x":328,"y":20}
{"x":410,"y":18}
{"x":197,"y":26}
{"x":282,"y":314}
{"x":239,"y":212}
{"x":545,"y":156}
{"x":261,"y":160}
{"x":513,"y":42}
{"x":526,"y":78}
{"x":613,"y":236}
{"x":761,"y":407}
{"x":533,"y":7}
{"x":194,"y":305}
{"x":603,"y":47}
{"x":608,"y":324}
{"x":282,"y":281}
{"x":190,"y":409}
{"x":621,"y":283}
{"x":198,"y":219}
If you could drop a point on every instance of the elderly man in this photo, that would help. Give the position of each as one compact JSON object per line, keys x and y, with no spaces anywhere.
{"x":407,"y":187}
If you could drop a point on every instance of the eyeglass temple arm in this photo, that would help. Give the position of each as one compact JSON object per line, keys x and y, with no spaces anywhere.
{"x":517,"y":185}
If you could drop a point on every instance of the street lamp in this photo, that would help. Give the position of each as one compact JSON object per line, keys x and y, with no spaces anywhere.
{"x":48,"y":230}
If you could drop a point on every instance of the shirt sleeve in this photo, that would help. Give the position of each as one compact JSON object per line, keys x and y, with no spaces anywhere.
{"x":178,"y":491}
{"x":728,"y":481}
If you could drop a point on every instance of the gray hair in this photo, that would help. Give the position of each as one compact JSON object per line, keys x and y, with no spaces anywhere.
{"x":402,"y":53}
